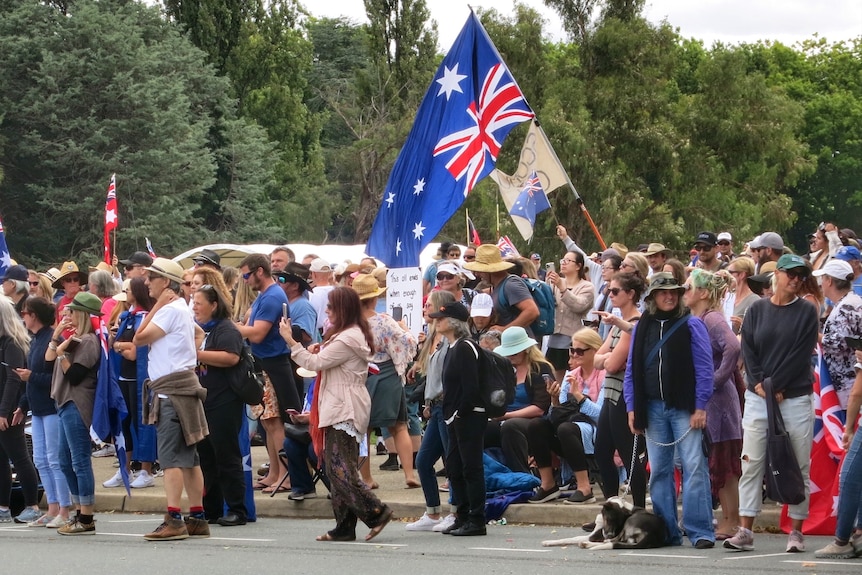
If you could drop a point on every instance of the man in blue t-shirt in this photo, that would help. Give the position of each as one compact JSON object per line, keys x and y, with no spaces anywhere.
{"x":271,"y":355}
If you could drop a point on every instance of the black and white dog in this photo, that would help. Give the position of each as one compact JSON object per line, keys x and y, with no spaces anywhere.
{"x":620,"y":525}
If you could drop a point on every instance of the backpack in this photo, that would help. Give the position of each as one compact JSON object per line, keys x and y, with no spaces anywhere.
{"x":543,"y":295}
{"x":247,"y":384}
{"x":496,"y":380}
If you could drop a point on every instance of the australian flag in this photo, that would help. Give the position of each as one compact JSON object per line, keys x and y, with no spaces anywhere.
{"x":472,"y":105}
{"x":531,"y":201}
{"x":109,"y":407}
{"x":5,"y":258}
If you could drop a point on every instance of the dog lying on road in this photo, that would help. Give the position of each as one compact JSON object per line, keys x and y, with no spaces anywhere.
{"x":620,"y":525}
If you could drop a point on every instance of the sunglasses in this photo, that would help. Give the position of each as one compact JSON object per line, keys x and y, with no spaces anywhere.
{"x":702,"y":248}
{"x":724,"y":243}
{"x":133,"y":266}
{"x":71,"y":279}
{"x":34,"y":284}
{"x":247,"y":275}
{"x":615,"y":291}
{"x":469,"y":258}
{"x":579,"y":351}
{"x":793,"y":274}
{"x":626,"y":265}
{"x":454,"y":254}
{"x":444,"y":276}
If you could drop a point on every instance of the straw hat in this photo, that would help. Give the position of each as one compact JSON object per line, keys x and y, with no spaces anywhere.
{"x":69,"y":268}
{"x":488,"y":259}
{"x":621,"y":249}
{"x":122,"y":295}
{"x":656,"y":248}
{"x":167,"y":269}
{"x":366,"y":286}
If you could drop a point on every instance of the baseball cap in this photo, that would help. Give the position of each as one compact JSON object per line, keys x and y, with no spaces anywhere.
{"x":837,"y":269}
{"x":482,"y":305}
{"x":319,"y":265}
{"x":707,"y":238}
{"x":770,"y":240}
{"x":138,"y":259}
{"x":453,"y":309}
{"x":609,"y":252}
{"x":725,"y":236}
{"x":789,"y":262}
{"x":17,"y":272}
{"x":848,"y":254}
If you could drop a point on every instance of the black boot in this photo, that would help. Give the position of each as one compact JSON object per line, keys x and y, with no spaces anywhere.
{"x":469,"y":528}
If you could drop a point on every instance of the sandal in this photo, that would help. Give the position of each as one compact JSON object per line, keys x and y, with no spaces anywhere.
{"x":258,"y":485}
{"x":385,"y":519}
{"x":328,"y":536}
{"x":271,"y":489}
{"x":412,"y":484}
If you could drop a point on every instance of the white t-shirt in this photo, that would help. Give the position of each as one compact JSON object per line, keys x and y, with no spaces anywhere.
{"x":176,"y":350}
{"x":318,"y":298}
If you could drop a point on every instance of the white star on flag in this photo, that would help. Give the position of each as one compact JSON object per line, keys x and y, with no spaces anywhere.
{"x":419,"y":187}
{"x":390,"y":199}
{"x":451,"y":81}
{"x":397,"y":247}
{"x":418,"y":230}
{"x":110,"y":217}
{"x":5,"y":260}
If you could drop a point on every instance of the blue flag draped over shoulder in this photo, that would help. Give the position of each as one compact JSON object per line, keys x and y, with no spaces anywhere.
{"x":109,"y":407}
{"x":472,"y":105}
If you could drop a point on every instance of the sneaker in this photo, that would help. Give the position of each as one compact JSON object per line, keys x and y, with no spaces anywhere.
{"x":5,"y":516}
{"x":795,"y":542}
{"x":143,"y":479}
{"x":75,"y":527}
{"x":542,"y":495}
{"x":107,"y":450}
{"x":302,"y":496}
{"x":381,"y":449}
{"x":170,"y":530}
{"x":424,"y":523}
{"x":57,"y":522}
{"x":578,"y":498}
{"x":445,"y":523}
{"x":115,"y":481}
{"x":856,"y":542}
{"x":704,"y":544}
{"x":42,"y":521}
{"x":196,"y":528}
{"x":836,"y":551}
{"x":743,"y":540}
{"x":28,"y":515}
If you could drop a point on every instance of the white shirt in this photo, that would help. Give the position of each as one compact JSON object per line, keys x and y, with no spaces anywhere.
{"x":175,"y":351}
{"x":318,"y":298}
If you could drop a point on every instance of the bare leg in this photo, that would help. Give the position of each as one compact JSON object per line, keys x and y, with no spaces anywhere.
{"x":365,"y":468}
{"x":729,"y":498}
{"x":174,"y":486}
{"x":546,"y":474}
{"x":274,"y":441}
{"x":404,"y":447}
{"x":193,"y":480}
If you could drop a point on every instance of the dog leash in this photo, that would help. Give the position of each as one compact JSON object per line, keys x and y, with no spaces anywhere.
{"x":660,"y":444}
{"x":635,"y":455}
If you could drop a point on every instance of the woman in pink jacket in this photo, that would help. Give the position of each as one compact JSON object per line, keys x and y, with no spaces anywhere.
{"x":340,"y":412}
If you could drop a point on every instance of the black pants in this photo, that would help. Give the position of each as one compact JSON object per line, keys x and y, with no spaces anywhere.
{"x":613,"y":433}
{"x":129,"y":388}
{"x":566,"y":441}
{"x":14,"y":448}
{"x":280,"y":372}
{"x":514,"y":441}
{"x":465,"y":467}
{"x":221,"y":461}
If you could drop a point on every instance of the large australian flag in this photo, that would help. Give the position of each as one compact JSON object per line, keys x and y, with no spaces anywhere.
{"x":472,"y":105}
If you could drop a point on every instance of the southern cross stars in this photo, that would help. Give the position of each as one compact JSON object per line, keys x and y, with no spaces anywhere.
{"x":418,"y":230}
{"x":390,"y":199}
{"x":419,"y":187}
{"x":110,"y":217}
{"x":450,"y":82}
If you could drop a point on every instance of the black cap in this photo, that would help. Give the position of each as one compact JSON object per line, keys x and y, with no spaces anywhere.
{"x":295,"y":272}
{"x":707,"y":238}
{"x":17,"y":272}
{"x":209,"y":257}
{"x":453,"y":309}
{"x":138,"y":259}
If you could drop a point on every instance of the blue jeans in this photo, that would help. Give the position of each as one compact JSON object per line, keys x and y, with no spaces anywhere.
{"x":850,"y":489}
{"x":298,"y":455}
{"x":46,"y":457}
{"x":435,"y":442}
{"x":74,"y":446}
{"x":665,"y":425}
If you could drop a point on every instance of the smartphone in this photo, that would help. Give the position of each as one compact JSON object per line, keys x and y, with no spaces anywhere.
{"x":590,"y":322}
{"x":284,"y":313}
{"x":854,"y":343}
{"x":73,"y":343}
{"x":291,"y":412}
{"x":397,"y":313}
{"x":550,"y":267}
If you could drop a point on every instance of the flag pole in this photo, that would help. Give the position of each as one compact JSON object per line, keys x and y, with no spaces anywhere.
{"x":578,"y":198}
{"x":467,"y":224}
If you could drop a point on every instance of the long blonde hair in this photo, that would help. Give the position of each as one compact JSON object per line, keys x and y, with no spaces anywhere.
{"x":12,"y":327}
{"x":243,"y":299}
{"x":535,"y":359}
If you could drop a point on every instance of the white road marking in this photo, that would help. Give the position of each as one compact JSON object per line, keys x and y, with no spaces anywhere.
{"x":668,"y":556}
{"x":510,"y":549}
{"x":819,"y":562}
{"x":130,"y":520}
{"x":364,"y":543}
{"x":141,"y":536}
{"x":746,"y":556}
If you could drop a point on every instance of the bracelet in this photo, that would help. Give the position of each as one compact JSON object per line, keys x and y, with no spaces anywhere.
{"x":61,"y":357}
{"x":52,"y":346}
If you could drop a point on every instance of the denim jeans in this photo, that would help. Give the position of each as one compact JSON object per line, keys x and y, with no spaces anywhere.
{"x":46,"y":457}
{"x":435,"y":442}
{"x":850,"y":489}
{"x":798,"y":414}
{"x":74,"y":446}
{"x":299,"y":454}
{"x":665,"y":425}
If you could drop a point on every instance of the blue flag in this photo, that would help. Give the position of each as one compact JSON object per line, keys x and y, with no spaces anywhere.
{"x":109,"y":407}
{"x":5,"y":258}
{"x":531,"y":201}
{"x":472,"y":105}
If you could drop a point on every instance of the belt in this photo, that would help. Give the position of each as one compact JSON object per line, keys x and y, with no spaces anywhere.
{"x":436,"y":401}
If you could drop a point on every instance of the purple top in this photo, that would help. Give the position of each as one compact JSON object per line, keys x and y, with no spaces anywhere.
{"x":723,"y":413}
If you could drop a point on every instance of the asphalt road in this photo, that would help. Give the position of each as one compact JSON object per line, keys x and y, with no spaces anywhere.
{"x":288,"y":545}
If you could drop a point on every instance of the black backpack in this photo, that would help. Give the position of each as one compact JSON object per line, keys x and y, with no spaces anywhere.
{"x":496,"y":380}
{"x":247,"y":384}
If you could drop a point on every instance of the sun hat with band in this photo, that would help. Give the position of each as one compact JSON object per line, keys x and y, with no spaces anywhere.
{"x":656,"y":248}
{"x":366,"y":286}
{"x":514,"y":340}
{"x":67,"y":269}
{"x":86,"y":302}
{"x":168,"y":269}
{"x":662,"y":281}
{"x":488,"y":259}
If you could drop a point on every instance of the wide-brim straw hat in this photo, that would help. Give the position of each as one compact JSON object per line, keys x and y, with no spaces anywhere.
{"x":488,"y":259}
{"x":67,"y":269}
{"x":366,"y":286}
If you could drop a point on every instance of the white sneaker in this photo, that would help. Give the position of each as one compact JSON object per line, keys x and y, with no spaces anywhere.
{"x":446,"y":522}
{"x":57,"y":522}
{"x":424,"y":523}
{"x":107,"y":450}
{"x":115,"y":481}
{"x":143,"y":479}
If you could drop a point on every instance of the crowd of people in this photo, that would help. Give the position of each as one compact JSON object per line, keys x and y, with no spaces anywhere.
{"x":654,"y":377}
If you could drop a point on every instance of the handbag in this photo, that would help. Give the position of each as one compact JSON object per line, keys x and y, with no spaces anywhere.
{"x":784,"y":482}
{"x":247,"y":383}
{"x":568,"y":412}
{"x":297,"y":432}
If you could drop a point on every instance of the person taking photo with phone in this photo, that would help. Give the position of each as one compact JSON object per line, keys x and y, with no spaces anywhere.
{"x":574,"y":294}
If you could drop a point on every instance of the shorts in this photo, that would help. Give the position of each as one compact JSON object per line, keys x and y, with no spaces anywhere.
{"x":173,"y":451}
{"x":270,"y":401}
{"x":388,"y":402}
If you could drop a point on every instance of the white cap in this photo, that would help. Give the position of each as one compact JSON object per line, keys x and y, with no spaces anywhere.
{"x":481,"y":306}
{"x":320,"y":265}
{"x":455,"y":269}
{"x":837,"y":269}
{"x":725,"y":236}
